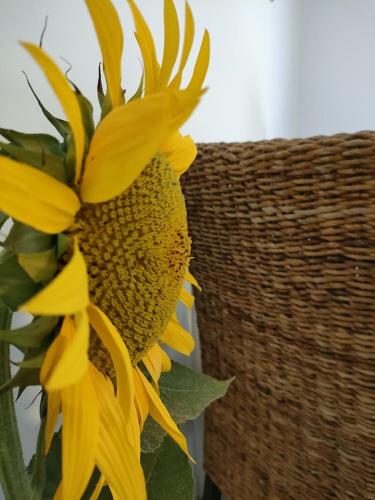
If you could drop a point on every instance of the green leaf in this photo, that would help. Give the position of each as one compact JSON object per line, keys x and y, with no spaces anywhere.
{"x":152,"y":436}
{"x":31,"y":335}
{"x":186,"y":393}
{"x":49,"y":163}
{"x":25,"y":239}
{"x":168,"y":473}
{"x":16,"y":287}
{"x":40,"y":266}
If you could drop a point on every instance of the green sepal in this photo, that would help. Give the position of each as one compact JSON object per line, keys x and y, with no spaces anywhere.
{"x":32,"y":142}
{"x":3,"y":218}
{"x":16,"y":287}
{"x":23,"y":378}
{"x":26,"y":239}
{"x":70,"y":158}
{"x":33,"y":359}
{"x":31,"y":335}
{"x":139,"y":92}
{"x":186,"y":393}
{"x":40,"y":266}
{"x":168,"y":473}
{"x":62,"y":245}
{"x":104,"y":99}
{"x":106,"y":107}
{"x":87,"y":116}
{"x":62,"y":126}
{"x":99,"y":88}
{"x":51,"y":164}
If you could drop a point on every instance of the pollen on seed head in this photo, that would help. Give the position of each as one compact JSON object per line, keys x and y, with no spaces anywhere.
{"x":136,"y":248}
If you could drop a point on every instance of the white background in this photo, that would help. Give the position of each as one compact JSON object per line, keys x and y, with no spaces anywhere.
{"x":278,"y":69}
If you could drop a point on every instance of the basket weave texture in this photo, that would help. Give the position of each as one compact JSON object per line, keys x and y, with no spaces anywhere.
{"x":284,"y":246}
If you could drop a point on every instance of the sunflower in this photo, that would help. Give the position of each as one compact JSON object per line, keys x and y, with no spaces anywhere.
{"x":119,"y":205}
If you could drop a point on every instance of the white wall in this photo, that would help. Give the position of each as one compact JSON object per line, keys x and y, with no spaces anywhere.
{"x":336,"y":62}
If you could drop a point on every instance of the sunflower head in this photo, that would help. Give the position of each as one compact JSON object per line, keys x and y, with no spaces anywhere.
{"x":100,"y":246}
{"x":136,"y":247}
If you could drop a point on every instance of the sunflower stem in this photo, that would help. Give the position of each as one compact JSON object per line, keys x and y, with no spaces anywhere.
{"x":13,"y":476}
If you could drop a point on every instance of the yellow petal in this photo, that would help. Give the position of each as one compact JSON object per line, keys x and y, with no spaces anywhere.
{"x":127,"y":139}
{"x":109,"y":33}
{"x":190,"y":278}
{"x":156,"y":361}
{"x":171,"y":42}
{"x":184,"y":103}
{"x":35,"y":198}
{"x":141,"y":399}
{"x":201,"y":65}
{"x":188,"y":42}
{"x":166,"y":364}
{"x":147,"y":46}
{"x":66,"y":97}
{"x":186,"y":298}
{"x":66,"y":360}
{"x":98,"y":488}
{"x":160,"y":413}
{"x":180,"y":152}
{"x":116,"y":457}
{"x":116,"y":347}
{"x":134,"y":431}
{"x":53,"y":409}
{"x":178,"y":338}
{"x":80,"y":436}
{"x":66,"y":294}
{"x":150,"y":368}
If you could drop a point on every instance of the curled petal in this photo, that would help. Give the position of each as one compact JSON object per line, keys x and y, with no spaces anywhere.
{"x":109,"y":33}
{"x":66,"y":97}
{"x":179,"y":339}
{"x":66,"y":360}
{"x":128,"y":138}
{"x":66,"y":294}
{"x":171,"y":42}
{"x":180,"y":152}
{"x":201,"y":65}
{"x":80,"y":436}
{"x":160,"y":413}
{"x":118,"y":351}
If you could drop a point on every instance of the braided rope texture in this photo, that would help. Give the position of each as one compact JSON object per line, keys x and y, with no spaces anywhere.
{"x":284,"y":247}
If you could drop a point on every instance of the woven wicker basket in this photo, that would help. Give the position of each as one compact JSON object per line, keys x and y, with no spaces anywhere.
{"x":284,"y":247}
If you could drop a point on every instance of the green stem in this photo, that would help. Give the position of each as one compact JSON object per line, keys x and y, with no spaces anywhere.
{"x":13,"y":476}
